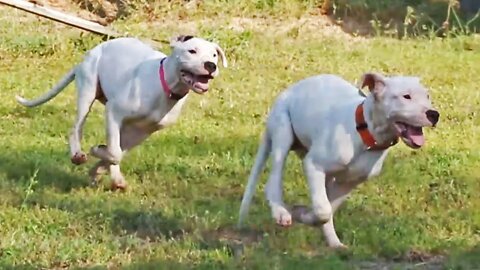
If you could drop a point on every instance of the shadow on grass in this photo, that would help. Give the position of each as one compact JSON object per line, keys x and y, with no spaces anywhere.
{"x":466,"y":260}
{"x":50,"y":168}
{"x":149,"y":225}
{"x":122,"y":216}
{"x":153,"y":265}
{"x":258,"y":262}
{"x":128,"y":218}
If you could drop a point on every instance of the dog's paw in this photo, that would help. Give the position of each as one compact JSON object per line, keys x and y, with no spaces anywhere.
{"x":322,"y":215}
{"x":303,"y":214}
{"x":101,"y":152}
{"x":341,"y":250}
{"x":282,"y":216}
{"x":119,"y":185}
{"x":338,"y":247}
{"x":79,"y":158}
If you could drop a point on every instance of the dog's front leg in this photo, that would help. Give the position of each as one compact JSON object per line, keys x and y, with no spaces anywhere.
{"x":118,"y":181}
{"x":114,"y":123}
{"x":112,"y":153}
{"x":321,"y":208}
{"x":338,"y":192}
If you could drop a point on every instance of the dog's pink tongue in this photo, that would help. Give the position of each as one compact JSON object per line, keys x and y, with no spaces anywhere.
{"x":416,"y":135}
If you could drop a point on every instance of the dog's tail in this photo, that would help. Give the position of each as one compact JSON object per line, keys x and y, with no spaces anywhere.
{"x":262,"y":156}
{"x":66,"y":80}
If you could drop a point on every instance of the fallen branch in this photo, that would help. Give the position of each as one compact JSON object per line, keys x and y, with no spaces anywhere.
{"x":67,"y":19}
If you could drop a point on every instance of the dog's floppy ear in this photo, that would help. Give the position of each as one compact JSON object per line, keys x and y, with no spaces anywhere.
{"x":374,"y":81}
{"x":222,"y":55}
{"x":180,"y":39}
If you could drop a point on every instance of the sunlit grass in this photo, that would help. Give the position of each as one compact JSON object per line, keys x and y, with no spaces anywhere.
{"x":186,"y":182}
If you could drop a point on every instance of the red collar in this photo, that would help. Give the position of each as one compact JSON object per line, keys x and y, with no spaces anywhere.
{"x":367,"y":137}
{"x":166,"y":88}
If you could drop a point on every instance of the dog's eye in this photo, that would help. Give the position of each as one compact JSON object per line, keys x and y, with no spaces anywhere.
{"x":192,"y":51}
{"x":214,"y":55}
{"x":407,"y":97}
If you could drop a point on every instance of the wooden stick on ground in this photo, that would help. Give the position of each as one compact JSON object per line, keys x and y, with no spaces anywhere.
{"x":67,"y":19}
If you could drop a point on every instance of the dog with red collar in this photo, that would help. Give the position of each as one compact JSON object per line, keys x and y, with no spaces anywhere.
{"x":143,"y":91}
{"x":342,"y":136}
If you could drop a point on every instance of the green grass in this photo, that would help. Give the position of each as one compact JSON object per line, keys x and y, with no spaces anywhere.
{"x":186,"y":182}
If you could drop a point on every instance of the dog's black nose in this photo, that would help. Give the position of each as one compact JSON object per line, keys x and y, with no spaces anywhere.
{"x":210,"y":66}
{"x":432,"y":116}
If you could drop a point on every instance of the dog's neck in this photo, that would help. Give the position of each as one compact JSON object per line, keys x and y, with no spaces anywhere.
{"x":378,"y":124}
{"x":172,"y":80}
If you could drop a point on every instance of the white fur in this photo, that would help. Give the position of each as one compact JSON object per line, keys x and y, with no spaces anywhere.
{"x":127,"y":72}
{"x":316,"y":118}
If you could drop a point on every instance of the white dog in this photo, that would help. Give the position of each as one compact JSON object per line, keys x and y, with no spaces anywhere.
{"x":143,"y":91}
{"x":342,"y":136}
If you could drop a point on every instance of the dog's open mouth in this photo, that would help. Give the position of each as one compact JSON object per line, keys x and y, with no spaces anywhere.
{"x":198,"y":83}
{"x":411,"y":135}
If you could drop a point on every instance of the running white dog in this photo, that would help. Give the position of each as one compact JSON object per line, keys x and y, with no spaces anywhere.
{"x":342,"y":136}
{"x":142,"y":89}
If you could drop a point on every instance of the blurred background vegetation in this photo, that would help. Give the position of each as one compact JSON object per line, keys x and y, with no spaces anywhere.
{"x":358,"y":17}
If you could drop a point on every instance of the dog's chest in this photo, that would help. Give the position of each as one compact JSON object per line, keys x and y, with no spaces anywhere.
{"x":366,"y":165}
{"x":164,"y":117}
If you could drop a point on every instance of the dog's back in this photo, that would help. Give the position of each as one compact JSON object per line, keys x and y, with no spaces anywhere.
{"x":119,"y":58}
{"x":321,"y":92}
{"x":316,"y":102}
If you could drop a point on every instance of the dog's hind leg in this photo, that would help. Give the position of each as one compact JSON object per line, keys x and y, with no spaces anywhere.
{"x":86,"y":83}
{"x":282,"y":138}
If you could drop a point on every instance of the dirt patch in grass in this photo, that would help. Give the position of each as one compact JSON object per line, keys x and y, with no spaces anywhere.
{"x":232,"y":235}
{"x":230,"y":238}
{"x":106,"y":12}
{"x":102,"y":12}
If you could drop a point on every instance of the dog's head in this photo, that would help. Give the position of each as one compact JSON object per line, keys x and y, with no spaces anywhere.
{"x":197,"y":61}
{"x":404,"y":104}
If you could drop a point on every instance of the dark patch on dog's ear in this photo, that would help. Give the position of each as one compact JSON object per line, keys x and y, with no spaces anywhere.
{"x":374,"y":81}
{"x":184,"y":38}
{"x":179,"y":39}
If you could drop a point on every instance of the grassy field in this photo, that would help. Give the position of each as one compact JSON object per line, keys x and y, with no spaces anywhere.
{"x":187,"y":181}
